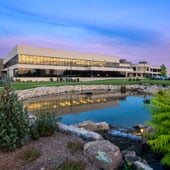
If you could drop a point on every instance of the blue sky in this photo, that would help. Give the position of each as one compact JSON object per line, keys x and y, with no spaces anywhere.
{"x":132,"y":29}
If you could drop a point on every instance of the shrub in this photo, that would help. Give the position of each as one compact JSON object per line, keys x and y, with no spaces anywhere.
{"x":61,"y":79}
{"x":51,"y":79}
{"x":137,"y":79}
{"x":164,"y":85}
{"x":161,"y":92}
{"x":34,"y":132}
{"x":159,"y":140}
{"x":45,"y":125}
{"x":18,"y":80}
{"x":75,"y":146}
{"x":13,"y":119}
{"x":128,"y":166}
{"x":71,"y":165}
{"x":30,"y":155}
{"x":123,"y":89}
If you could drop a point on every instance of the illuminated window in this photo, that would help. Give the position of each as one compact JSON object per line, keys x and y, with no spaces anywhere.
{"x":28,"y":59}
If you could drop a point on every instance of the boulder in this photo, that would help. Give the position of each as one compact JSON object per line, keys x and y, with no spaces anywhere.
{"x":124,"y":134}
{"x":85,"y":134}
{"x":93,"y":126}
{"x":103,"y":154}
{"x":130,"y":156}
{"x":140,"y":165}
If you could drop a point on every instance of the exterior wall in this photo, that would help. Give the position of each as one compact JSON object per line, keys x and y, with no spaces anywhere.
{"x":26,"y":58}
{"x":72,"y":68}
{"x":155,"y":70}
{"x":13,"y":53}
{"x":142,"y":69}
{"x":1,"y":67}
{"x":28,"y":50}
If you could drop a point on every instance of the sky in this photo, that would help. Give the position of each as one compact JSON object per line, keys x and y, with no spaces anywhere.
{"x":135,"y":30}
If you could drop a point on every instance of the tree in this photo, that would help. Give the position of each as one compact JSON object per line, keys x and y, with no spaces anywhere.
{"x":13,"y":119}
{"x":163,"y":70}
{"x":159,"y":140}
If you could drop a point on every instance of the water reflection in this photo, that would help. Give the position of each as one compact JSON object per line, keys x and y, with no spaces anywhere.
{"x":118,"y":109}
{"x":73,"y":102}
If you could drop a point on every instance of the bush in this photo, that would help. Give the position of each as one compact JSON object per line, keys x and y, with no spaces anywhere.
{"x":164,"y":85}
{"x":159,"y":140}
{"x":137,"y":79}
{"x":75,"y":146}
{"x":51,"y":79}
{"x":13,"y":119}
{"x":34,"y":132}
{"x":161,"y":92}
{"x":30,"y":155}
{"x":71,"y":165}
{"x":128,"y":166}
{"x":123,"y":89}
{"x":45,"y":125}
{"x":61,"y":79}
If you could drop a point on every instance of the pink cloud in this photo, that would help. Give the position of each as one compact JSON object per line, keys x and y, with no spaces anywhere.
{"x":156,"y":54}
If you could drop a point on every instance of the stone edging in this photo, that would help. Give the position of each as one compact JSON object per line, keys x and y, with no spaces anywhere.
{"x":50,"y":90}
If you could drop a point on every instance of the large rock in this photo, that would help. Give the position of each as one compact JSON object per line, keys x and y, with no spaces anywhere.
{"x":93,"y":126}
{"x":140,"y":165}
{"x":130,"y":156}
{"x":124,"y":134}
{"x":85,"y":134}
{"x":103,"y":154}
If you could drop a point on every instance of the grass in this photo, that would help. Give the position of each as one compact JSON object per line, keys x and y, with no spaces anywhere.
{"x":30,"y":155}
{"x":29,"y":85}
{"x":74,"y":146}
{"x":69,"y":164}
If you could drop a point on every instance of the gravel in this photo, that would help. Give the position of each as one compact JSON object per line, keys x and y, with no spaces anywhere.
{"x":53,"y":151}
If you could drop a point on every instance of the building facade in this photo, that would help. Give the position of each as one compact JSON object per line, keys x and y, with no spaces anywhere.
{"x":1,"y":68}
{"x":25,"y":62}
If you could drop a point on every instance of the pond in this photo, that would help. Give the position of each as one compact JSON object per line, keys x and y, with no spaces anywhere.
{"x":123,"y":110}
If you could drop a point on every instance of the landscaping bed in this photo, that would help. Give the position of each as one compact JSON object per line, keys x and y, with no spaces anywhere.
{"x":53,"y":151}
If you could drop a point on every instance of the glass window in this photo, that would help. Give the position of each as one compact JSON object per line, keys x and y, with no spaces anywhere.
{"x":28,"y":59}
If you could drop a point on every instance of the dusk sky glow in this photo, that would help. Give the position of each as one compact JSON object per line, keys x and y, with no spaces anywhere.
{"x":137,"y":30}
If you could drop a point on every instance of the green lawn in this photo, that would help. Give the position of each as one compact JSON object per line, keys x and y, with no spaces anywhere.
{"x":28,"y":85}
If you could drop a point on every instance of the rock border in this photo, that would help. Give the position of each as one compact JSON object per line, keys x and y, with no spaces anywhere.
{"x":51,"y":90}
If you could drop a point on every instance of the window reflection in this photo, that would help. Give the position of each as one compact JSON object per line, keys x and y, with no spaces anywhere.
{"x":54,"y":104}
{"x":42,"y":60}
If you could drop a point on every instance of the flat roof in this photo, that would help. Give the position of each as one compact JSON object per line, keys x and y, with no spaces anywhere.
{"x":48,"y":52}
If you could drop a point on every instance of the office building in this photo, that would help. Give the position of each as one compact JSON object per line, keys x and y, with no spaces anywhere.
{"x":1,"y":68}
{"x":34,"y":63}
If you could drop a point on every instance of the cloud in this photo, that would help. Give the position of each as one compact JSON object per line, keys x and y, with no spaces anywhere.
{"x":127,"y":29}
{"x":51,"y":18}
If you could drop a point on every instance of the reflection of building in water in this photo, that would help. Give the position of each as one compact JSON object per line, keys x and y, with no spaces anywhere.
{"x":72,"y":104}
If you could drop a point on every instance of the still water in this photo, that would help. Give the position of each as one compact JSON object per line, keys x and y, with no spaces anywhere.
{"x":114,"y":108}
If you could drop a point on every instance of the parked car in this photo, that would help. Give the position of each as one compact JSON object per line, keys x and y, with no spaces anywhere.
{"x":163,"y":77}
{"x":157,"y":77}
